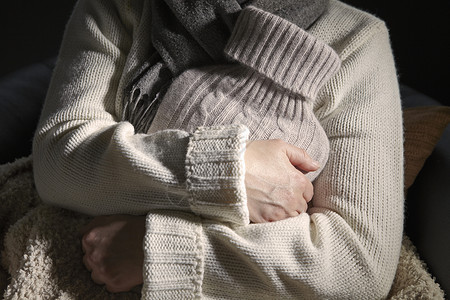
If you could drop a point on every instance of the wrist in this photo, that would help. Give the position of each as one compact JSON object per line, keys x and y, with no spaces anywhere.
{"x":215,"y":171}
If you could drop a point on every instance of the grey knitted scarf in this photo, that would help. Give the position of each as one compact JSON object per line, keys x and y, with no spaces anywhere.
{"x":193,"y":33}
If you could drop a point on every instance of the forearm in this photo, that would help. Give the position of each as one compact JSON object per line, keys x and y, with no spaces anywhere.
{"x":115,"y":171}
{"x":348,"y":244}
{"x":88,"y":160}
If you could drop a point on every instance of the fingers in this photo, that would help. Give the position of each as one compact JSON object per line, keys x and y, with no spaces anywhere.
{"x":293,"y":213}
{"x":89,"y":263}
{"x":277,"y":188}
{"x":94,"y":222}
{"x":87,"y":247}
{"x":301,"y":206}
{"x":303,"y":186}
{"x":96,"y":279}
{"x":300,"y":159}
{"x":308,"y":192}
{"x":84,"y":229}
{"x":301,"y":195}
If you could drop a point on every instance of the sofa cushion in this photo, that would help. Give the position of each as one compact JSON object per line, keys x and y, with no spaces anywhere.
{"x":423,"y":127}
{"x":427,"y":203}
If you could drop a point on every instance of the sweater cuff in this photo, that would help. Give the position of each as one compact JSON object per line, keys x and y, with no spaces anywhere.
{"x":173,"y":256}
{"x":282,"y":51}
{"x":215,"y":173}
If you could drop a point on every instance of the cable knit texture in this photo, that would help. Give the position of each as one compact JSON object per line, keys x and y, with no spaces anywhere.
{"x":89,"y":162}
{"x":346,"y":246}
{"x":270,"y":90}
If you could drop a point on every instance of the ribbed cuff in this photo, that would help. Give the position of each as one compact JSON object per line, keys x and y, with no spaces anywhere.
{"x":173,"y":256}
{"x":215,"y":173}
{"x":282,"y":51}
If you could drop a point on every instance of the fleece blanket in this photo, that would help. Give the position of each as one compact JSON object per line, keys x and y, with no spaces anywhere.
{"x":41,"y":255}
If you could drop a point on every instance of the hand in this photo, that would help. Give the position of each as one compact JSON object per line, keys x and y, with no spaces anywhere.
{"x":113,"y":247}
{"x":276,"y":188}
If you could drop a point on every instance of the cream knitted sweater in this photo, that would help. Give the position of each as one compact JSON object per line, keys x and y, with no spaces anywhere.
{"x":346,"y":246}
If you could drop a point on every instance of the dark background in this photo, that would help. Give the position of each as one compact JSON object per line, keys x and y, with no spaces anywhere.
{"x":31,"y":31}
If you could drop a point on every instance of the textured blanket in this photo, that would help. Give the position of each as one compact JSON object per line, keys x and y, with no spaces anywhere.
{"x":41,"y":253}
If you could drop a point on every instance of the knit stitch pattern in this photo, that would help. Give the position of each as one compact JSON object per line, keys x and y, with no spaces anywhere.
{"x":351,"y":236}
{"x":346,"y":246}
{"x":41,"y":256}
{"x":270,"y":91}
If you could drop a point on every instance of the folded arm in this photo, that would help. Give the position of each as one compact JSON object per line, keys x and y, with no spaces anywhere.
{"x":348,"y":244}
{"x":87,"y":159}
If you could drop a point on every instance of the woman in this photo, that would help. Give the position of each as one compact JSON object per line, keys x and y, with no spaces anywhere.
{"x":200,"y":190}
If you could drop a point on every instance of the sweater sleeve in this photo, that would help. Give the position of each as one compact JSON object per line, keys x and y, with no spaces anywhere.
{"x":347,"y":245}
{"x":87,"y":159}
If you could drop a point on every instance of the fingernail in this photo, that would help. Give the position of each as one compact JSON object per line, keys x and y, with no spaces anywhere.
{"x":315,"y":164}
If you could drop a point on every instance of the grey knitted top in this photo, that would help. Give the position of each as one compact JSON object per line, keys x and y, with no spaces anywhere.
{"x":271,"y":90}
